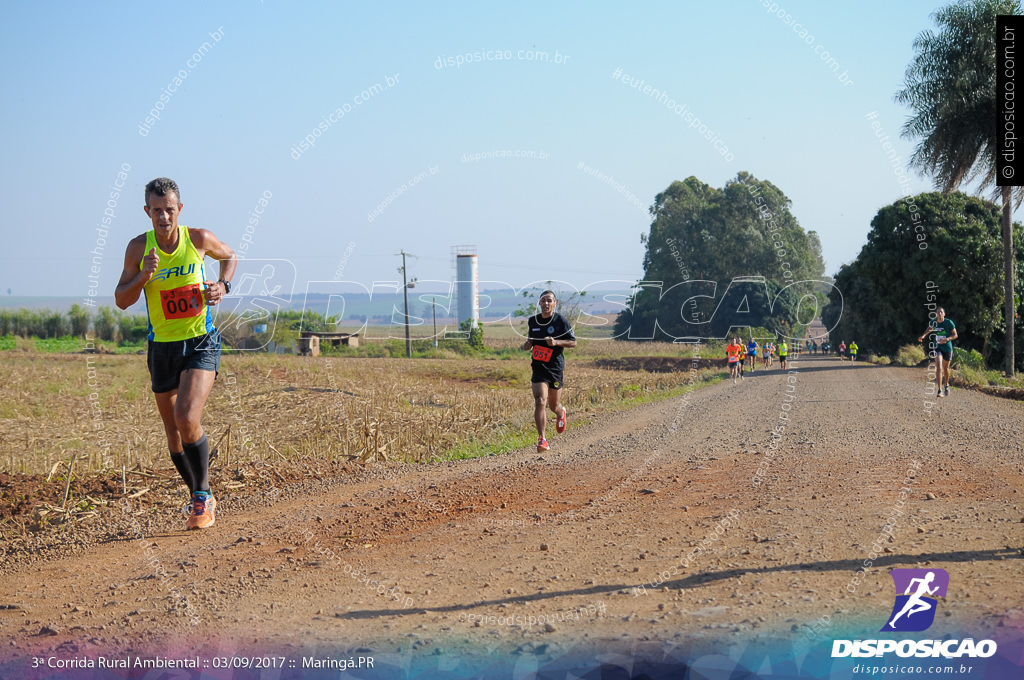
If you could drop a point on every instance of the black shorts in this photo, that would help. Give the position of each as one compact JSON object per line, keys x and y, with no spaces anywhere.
{"x":546,"y":374}
{"x":167,"y":360}
{"x":946,"y":351}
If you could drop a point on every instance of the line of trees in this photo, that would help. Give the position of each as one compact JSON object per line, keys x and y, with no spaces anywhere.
{"x":883,"y":299}
{"x":106,"y":323}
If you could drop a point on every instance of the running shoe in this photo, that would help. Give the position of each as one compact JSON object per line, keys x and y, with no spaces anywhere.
{"x":560,"y":426}
{"x":203,"y":506}
{"x":542,"y":445}
{"x":947,"y":389}
{"x":211,"y":505}
{"x":940,"y":394}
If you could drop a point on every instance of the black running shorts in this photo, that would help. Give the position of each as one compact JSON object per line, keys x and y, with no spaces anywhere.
{"x":544,"y":374}
{"x":167,"y":360}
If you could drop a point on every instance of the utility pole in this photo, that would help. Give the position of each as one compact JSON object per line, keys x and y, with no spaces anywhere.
{"x":405,"y":293}
{"x":433,"y":305}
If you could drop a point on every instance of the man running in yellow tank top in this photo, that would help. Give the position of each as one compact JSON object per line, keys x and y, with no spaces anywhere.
{"x":166,"y":266}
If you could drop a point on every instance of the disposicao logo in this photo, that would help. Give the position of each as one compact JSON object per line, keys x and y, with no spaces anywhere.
{"x":915,"y":608}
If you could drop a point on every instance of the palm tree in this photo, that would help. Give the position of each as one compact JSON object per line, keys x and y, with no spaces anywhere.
{"x":951,"y":88}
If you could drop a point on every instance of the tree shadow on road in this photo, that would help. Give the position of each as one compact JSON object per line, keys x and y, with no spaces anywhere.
{"x":700,"y":579}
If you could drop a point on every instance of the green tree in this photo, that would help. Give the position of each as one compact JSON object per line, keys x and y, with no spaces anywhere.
{"x":133,"y":327}
{"x":32,"y":322}
{"x":105,"y":324}
{"x":881,"y":298}
{"x":950,"y":87}
{"x":125,"y":322}
{"x":475,"y":336}
{"x":308,"y":320}
{"x":54,"y":324}
{"x":21,"y":321}
{"x":78,"y":318}
{"x":742,"y":240}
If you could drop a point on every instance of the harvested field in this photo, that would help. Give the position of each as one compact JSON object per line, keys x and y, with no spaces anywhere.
{"x":273,"y":407}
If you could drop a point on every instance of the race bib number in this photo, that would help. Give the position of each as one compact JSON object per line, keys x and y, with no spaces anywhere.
{"x":541,"y":353}
{"x":182,"y":303}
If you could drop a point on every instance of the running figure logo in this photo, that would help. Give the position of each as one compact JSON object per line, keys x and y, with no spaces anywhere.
{"x":914,"y":610}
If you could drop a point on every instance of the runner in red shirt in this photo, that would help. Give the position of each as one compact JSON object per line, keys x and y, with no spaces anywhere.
{"x":732,"y":351}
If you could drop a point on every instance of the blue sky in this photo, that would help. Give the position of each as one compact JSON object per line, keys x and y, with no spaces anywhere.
{"x":79,"y":79}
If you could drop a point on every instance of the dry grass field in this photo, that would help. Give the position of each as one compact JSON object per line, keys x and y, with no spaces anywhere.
{"x":99,"y":408}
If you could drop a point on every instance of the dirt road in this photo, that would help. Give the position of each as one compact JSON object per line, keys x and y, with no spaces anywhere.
{"x":665,"y":524}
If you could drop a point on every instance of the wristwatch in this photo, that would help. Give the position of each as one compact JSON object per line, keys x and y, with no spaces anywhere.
{"x":227,"y":286}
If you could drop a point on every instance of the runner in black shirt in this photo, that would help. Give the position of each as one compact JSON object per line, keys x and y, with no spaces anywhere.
{"x":547,"y":334}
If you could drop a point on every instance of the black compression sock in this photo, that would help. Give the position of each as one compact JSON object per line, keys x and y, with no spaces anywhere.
{"x":185,"y":470}
{"x":198,"y":454}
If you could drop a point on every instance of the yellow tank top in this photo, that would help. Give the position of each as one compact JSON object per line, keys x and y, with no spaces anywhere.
{"x":174,"y":296}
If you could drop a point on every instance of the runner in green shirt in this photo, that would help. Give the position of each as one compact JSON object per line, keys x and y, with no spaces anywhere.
{"x":941,"y":333}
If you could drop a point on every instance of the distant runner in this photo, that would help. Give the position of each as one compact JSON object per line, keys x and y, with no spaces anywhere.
{"x":853,"y":351}
{"x":943,"y":333}
{"x":752,"y":353}
{"x":783,"y":353}
{"x":166,"y":266}
{"x":548,"y":334}
{"x":732,"y":351}
{"x":769,"y":350}
{"x":842,"y":350}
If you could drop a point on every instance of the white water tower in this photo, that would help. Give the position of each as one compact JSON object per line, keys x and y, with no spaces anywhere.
{"x":467,"y":280}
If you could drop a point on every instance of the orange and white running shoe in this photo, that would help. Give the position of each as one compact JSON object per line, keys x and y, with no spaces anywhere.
{"x":203,"y":507}
{"x":560,"y":426}
{"x":542,"y":445}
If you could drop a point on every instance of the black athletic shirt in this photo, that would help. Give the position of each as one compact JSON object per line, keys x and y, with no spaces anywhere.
{"x":559,"y":329}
